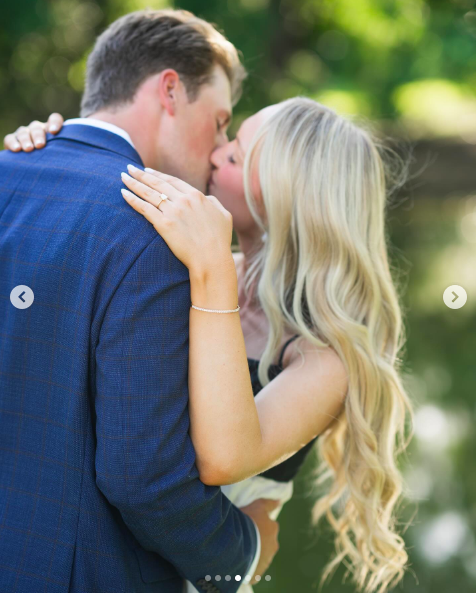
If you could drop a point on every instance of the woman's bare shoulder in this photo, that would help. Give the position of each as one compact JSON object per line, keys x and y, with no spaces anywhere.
{"x":302,"y":353}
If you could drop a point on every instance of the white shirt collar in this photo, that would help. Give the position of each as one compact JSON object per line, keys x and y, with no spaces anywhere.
{"x":97,"y":123}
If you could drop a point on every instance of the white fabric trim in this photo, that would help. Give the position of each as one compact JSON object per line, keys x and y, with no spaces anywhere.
{"x":97,"y":123}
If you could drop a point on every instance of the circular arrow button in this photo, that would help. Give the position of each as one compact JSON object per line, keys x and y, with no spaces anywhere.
{"x":455,"y":297}
{"x":22,"y":297}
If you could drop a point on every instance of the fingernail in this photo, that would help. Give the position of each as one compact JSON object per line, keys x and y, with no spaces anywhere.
{"x":16,"y":146}
{"x":149,"y":170}
{"x":126,"y":194}
{"x":53,"y":128}
{"x":28,"y":145}
{"x":132,"y":168}
{"x":38,"y":143}
{"x":125,"y":176}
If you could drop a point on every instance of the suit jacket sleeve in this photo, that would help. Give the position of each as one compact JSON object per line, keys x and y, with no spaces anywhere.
{"x":145,"y":461}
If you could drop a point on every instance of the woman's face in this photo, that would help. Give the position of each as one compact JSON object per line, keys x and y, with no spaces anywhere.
{"x":226,"y":182}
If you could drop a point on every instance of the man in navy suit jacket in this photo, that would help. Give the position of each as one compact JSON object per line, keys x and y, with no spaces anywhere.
{"x":98,"y":486}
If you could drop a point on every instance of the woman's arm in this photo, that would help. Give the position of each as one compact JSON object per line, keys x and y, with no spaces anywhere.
{"x":225,"y":426}
{"x":234,"y":434}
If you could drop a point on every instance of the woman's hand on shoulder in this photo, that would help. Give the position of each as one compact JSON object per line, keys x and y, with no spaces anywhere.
{"x":27,"y":138}
{"x":196,"y":227}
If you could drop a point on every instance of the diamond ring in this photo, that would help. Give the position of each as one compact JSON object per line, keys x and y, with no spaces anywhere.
{"x":162,"y":197}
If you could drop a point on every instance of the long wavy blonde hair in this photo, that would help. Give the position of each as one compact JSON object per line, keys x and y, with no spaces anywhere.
{"x":323,"y":273}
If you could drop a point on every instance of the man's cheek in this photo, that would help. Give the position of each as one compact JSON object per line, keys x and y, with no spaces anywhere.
{"x":202,"y":138}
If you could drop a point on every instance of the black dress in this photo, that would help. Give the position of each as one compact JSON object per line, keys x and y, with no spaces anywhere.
{"x":287,"y":470}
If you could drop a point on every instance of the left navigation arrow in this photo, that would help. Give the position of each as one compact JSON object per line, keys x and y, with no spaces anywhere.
{"x":22,"y":297}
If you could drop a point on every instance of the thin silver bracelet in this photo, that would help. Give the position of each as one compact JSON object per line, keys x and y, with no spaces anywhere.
{"x":216,"y":311}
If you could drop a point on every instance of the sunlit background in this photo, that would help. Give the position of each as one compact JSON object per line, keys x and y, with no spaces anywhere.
{"x":409,"y":67}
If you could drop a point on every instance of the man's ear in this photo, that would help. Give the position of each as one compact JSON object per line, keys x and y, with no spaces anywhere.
{"x":169,"y":88}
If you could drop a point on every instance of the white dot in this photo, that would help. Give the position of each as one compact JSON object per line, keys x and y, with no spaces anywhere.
{"x":248,"y":578}
{"x":228,"y":577}
{"x":257,"y":577}
{"x":208,"y":578}
{"x":237,"y":578}
{"x":217,"y":577}
{"x":267,"y":577}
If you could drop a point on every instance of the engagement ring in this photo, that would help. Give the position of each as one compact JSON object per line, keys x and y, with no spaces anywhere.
{"x":162,"y":197}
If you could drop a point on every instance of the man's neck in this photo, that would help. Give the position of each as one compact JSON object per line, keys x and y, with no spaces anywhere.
{"x":126,"y":120}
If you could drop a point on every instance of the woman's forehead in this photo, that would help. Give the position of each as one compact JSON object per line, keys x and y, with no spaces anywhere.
{"x":252,"y":123}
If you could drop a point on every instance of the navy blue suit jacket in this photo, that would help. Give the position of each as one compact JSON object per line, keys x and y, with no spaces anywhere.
{"x":99,"y":491}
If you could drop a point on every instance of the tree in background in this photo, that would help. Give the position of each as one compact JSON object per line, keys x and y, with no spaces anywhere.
{"x":386,"y":59}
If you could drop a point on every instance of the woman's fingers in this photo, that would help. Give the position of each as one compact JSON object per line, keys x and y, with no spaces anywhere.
{"x":145,"y":192}
{"x":179,"y":184}
{"x":24,"y":138}
{"x":155,"y":182}
{"x":33,"y":136}
{"x":150,"y":212}
{"x":54,"y":123}
{"x":37,"y":133}
{"x":10,"y":142}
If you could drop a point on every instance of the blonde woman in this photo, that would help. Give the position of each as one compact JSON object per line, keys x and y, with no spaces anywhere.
{"x":313,"y":351}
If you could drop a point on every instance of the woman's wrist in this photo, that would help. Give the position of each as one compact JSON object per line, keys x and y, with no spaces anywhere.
{"x":215,"y":286}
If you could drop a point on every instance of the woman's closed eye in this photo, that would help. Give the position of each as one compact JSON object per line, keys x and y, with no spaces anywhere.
{"x":231,"y":159}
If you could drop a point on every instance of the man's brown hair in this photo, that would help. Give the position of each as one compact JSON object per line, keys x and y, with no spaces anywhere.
{"x":144,"y":43}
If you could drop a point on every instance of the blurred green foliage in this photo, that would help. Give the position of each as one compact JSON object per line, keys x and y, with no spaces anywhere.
{"x":409,"y":66}
{"x":360,"y":56}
